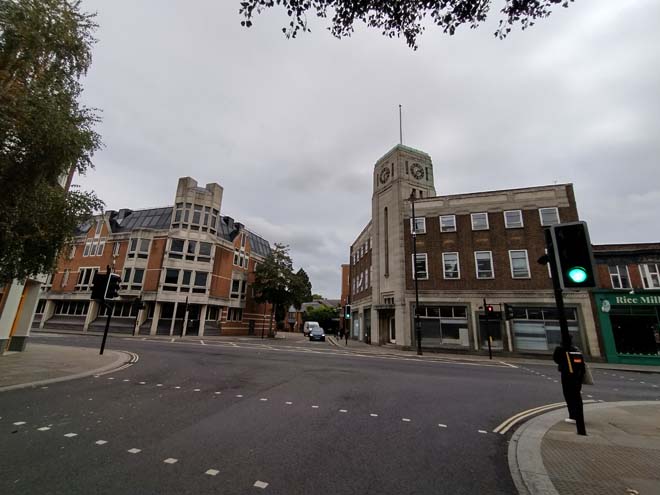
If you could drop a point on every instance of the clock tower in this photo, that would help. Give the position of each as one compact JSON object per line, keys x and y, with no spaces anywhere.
{"x":397,"y":174}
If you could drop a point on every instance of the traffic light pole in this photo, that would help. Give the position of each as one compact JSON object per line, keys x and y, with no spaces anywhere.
{"x":107,"y":321}
{"x":418,"y":324}
{"x":490,"y":350}
{"x":559,"y":297}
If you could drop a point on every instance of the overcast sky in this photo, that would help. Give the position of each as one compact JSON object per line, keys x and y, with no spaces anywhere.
{"x":292,"y":128}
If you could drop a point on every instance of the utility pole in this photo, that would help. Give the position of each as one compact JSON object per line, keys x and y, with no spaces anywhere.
{"x":418,"y":324}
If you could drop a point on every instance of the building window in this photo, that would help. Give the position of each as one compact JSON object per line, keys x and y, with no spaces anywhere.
{"x":100,"y":246}
{"x":483,"y":260}
{"x":212,"y":313}
{"x":71,"y":308}
{"x":88,"y":247}
{"x":138,"y":248}
{"x":200,"y":282}
{"x":513,"y":219}
{"x":204,"y":251}
{"x":419,"y":225}
{"x":549,"y":216}
{"x":115,"y":249}
{"x":421,"y":267}
{"x":85,"y":278}
{"x":452,"y":269}
{"x":386,"y":240}
{"x":72,"y":252}
{"x":650,"y":275}
{"x":190,"y":252}
{"x":171,"y":279}
{"x":126,"y":278}
{"x":448,"y":223}
{"x":138,"y":276}
{"x":99,"y":228}
{"x":41,"y":306}
{"x":479,"y":221}
{"x":176,"y":249}
{"x":519,"y":263}
{"x":537,"y":328}
{"x":235,"y":289}
{"x":619,"y":276}
{"x":235,"y":314}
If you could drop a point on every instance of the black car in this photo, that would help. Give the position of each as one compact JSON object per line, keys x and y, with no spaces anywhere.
{"x":317,"y":333}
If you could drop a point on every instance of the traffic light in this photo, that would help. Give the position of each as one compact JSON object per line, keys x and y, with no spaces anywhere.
{"x":490,"y":309}
{"x":347,"y":312}
{"x":112,"y":290}
{"x":508,"y":312}
{"x":575,"y":264}
{"x":99,"y":284}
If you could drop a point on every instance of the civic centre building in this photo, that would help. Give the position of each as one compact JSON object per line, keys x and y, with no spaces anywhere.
{"x":185,"y":269}
{"x":470,"y":248}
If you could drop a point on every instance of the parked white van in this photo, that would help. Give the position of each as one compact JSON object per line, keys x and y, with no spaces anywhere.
{"x":307,"y":327}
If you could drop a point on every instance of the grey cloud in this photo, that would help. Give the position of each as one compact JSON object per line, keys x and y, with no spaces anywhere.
{"x":292,"y":128}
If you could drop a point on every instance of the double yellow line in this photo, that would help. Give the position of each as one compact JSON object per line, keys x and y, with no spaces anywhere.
{"x":523,"y":415}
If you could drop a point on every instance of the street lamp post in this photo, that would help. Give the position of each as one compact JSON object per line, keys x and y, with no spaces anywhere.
{"x":418,"y":324}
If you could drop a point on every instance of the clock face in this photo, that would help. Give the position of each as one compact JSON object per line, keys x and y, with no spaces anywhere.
{"x":384,"y":175}
{"x":417,"y":171}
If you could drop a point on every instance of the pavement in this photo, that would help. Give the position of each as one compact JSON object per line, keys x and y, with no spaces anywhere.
{"x":43,"y":364}
{"x":619,"y":455}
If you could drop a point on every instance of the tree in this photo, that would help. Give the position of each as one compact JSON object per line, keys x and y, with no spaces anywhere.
{"x":401,"y":17}
{"x":274,"y":280}
{"x":302,"y":288}
{"x":327,"y":317}
{"x":45,"y":133}
{"x":316,"y":297}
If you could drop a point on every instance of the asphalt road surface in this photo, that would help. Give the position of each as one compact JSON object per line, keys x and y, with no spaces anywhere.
{"x":246,"y":416}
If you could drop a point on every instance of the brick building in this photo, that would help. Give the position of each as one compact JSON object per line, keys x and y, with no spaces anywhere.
{"x":185,"y":268}
{"x":627,"y":304}
{"x":470,"y":247}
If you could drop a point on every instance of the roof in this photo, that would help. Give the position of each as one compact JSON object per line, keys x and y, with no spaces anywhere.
{"x":161,"y":218}
{"x":403,"y":148}
{"x":619,"y":249}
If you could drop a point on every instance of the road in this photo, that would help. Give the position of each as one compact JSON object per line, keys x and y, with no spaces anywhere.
{"x":242,"y":416}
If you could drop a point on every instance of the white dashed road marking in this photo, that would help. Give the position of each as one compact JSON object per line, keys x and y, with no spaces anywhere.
{"x":126,"y":380}
{"x":211,"y":472}
{"x":441,"y":425}
{"x":483,"y":431}
{"x":43,"y":428}
{"x":263,"y":399}
{"x":315,"y":407}
{"x":405,"y":420}
{"x":197,"y":390}
{"x":134,"y":451}
{"x":260,"y":484}
{"x":143,"y":383}
{"x":171,"y":460}
{"x":373,"y":415}
{"x":159,"y":384}
{"x":71,"y":435}
{"x":217,"y":393}
{"x":239,"y":396}
{"x":19,"y":423}
{"x":177,"y":387}
{"x":100,"y":442}
{"x":343,"y":410}
{"x":288,"y":403}
{"x":111,"y":378}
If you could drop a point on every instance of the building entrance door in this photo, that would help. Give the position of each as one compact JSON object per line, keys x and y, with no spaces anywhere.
{"x":392,"y":330}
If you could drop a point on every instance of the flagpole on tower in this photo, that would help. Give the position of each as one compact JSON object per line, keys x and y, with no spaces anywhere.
{"x":400,"y":127}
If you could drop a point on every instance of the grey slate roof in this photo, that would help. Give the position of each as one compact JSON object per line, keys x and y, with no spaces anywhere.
{"x":160,"y":218}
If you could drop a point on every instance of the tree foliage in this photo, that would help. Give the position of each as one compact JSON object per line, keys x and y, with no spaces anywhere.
{"x":326,"y":316}
{"x":405,"y":18}
{"x":45,"y":133}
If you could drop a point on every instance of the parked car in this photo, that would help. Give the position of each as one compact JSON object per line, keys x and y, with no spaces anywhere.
{"x":317,"y":333}
{"x":307,"y":327}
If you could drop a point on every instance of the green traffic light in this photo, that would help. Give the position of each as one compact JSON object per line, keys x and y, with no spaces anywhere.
{"x":577,"y":274}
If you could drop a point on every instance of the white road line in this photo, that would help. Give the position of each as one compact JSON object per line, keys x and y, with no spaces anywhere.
{"x":263,"y":399}
{"x":90,"y":399}
{"x":133,"y":451}
{"x":483,"y":431}
{"x":315,"y":407}
{"x":111,"y":378}
{"x":655,"y":386}
{"x":197,"y":390}
{"x":343,"y":411}
{"x":405,"y":420}
{"x":442,"y":425}
{"x":71,"y":435}
{"x":171,"y":460}
{"x":100,"y":442}
{"x":43,"y":388}
{"x":172,"y":340}
{"x":288,"y":403}
{"x":202,"y":342}
{"x":217,"y":393}
{"x":143,"y":383}
{"x":373,"y":415}
{"x":513,"y":420}
{"x":159,"y":384}
{"x":211,"y":472}
{"x":239,"y":396}
{"x":260,"y":484}
{"x":43,"y":428}
{"x":590,"y":396}
{"x":19,"y":423}
{"x":126,"y":380}
{"x":509,"y":365}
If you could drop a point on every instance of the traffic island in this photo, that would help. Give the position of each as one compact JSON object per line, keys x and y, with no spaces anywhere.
{"x":620,"y":454}
{"x":45,"y":364}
